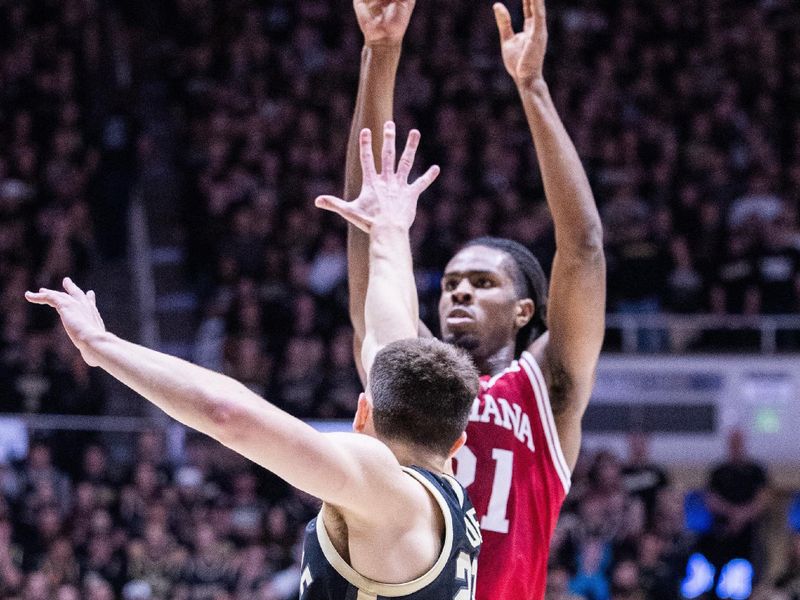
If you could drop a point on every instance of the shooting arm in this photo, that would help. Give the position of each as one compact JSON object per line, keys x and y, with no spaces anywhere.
{"x":374,"y":106}
{"x":576,"y":305}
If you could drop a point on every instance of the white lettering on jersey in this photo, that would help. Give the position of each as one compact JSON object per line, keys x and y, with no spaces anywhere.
{"x":305,"y":580}
{"x":490,"y":409}
{"x":505,"y":414}
{"x":473,"y":530}
{"x":466,"y":570}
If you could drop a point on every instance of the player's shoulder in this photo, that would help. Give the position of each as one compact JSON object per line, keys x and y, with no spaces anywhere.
{"x":365,"y":446}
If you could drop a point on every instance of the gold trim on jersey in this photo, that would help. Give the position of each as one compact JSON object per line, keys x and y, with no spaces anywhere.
{"x":391,"y":590}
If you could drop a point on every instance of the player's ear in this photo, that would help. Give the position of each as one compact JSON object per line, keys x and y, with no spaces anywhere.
{"x":363,"y":413}
{"x":523,"y":312}
{"x":462,"y":439}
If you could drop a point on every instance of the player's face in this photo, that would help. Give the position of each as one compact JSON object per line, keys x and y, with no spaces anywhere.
{"x":478,"y":309}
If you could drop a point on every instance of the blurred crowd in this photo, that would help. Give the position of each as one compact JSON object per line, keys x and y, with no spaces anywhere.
{"x":684,"y":113}
{"x":681,"y":112}
{"x":59,"y":171}
{"x":208,"y":526}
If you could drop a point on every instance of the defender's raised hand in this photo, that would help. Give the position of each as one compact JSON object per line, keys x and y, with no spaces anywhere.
{"x":383,"y":21}
{"x":78,"y":312}
{"x":386,"y":198}
{"x":523,"y":52}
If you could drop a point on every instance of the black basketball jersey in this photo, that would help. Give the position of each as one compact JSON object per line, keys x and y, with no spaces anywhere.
{"x":327,"y":576}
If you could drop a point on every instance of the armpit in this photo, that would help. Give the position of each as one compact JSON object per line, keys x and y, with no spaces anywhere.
{"x":560,"y":386}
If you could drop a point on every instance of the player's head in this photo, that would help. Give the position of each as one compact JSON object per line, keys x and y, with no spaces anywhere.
{"x":421,"y":393}
{"x":494,"y":294}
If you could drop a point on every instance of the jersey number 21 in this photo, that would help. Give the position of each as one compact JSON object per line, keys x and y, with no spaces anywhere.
{"x":495,"y":517}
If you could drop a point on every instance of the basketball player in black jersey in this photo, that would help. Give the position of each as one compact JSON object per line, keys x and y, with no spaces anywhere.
{"x":392,"y":524}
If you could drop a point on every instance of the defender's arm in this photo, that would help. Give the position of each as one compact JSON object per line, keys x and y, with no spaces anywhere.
{"x":385,"y":209}
{"x":361,"y":475}
{"x":576,"y":306}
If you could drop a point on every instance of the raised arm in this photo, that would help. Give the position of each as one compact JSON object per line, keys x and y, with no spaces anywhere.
{"x":385,"y":210}
{"x":383,"y":24}
{"x":576,"y":306}
{"x":353,"y":471}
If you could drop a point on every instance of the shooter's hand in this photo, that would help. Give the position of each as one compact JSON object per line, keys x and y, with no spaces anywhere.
{"x":386,"y":198}
{"x":383,"y":21}
{"x":523,"y":52}
{"x":78,"y":313}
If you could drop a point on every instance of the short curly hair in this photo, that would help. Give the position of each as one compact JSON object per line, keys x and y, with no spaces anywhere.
{"x":422,"y":393}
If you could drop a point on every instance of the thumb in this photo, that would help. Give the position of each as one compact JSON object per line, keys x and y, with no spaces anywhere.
{"x":503,"y":19}
{"x":333,"y":204}
{"x":346,"y":210}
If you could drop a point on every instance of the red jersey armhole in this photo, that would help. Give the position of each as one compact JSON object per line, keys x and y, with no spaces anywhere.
{"x":534,"y":373}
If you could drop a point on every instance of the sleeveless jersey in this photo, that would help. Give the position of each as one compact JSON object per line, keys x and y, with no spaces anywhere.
{"x":326,"y":575}
{"x":516,"y":476}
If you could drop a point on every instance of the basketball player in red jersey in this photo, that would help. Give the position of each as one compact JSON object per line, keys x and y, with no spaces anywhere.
{"x":537,"y":357}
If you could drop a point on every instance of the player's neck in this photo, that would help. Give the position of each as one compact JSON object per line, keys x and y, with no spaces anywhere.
{"x":414,"y":456}
{"x":496,"y":362}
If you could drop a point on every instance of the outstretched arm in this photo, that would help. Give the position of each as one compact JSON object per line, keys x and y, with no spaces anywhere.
{"x":347,"y":470}
{"x":384,"y":211}
{"x":576,"y":305}
{"x":383,"y":24}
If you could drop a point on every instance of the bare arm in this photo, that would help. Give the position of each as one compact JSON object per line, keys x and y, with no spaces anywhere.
{"x":385,"y":210}
{"x":383,"y":28}
{"x":576,"y":305}
{"x":347,"y":470}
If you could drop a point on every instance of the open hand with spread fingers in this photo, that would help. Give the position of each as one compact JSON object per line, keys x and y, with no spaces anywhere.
{"x":383,"y":21}
{"x":386,"y":198}
{"x":78,"y":312}
{"x":523,"y":52}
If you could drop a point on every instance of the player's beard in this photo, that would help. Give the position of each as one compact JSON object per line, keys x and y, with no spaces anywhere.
{"x":465,"y":341}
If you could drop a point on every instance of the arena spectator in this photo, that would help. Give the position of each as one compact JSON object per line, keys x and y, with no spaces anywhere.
{"x":640,"y":477}
{"x":737,"y":496}
{"x":51,"y":190}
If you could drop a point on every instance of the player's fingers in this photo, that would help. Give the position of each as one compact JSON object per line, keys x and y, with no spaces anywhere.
{"x":425,"y":181}
{"x":362,"y":11}
{"x":72,"y":289}
{"x":503,"y":18}
{"x":527,"y":8}
{"x":540,"y":16}
{"x":343,"y":209}
{"x":367,"y":158}
{"x":331,"y":203}
{"x":90,"y":296}
{"x":407,"y":158}
{"x":44,"y":296}
{"x":388,"y":152}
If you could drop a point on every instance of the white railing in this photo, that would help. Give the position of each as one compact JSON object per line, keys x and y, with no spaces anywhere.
{"x":678,"y":329}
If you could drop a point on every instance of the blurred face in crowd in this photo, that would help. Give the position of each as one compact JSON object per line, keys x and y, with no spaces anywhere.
{"x":479,"y":310}
{"x":39,"y":457}
{"x":37,"y":587}
{"x":67,"y":592}
{"x":94,"y":461}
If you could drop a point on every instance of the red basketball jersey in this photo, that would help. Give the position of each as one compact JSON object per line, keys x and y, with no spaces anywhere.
{"x":517,"y":478}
